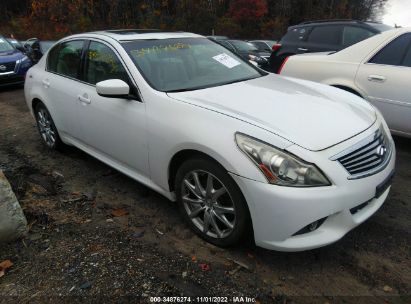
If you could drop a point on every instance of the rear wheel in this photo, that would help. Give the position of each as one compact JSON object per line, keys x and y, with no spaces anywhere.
{"x":211,"y":202}
{"x":46,"y":127}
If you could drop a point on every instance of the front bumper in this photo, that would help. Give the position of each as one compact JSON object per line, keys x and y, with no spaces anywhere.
{"x":11,"y":79}
{"x":279,"y":213}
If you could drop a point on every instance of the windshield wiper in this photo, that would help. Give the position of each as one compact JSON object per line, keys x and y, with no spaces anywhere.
{"x":211,"y":85}
{"x":182,"y":90}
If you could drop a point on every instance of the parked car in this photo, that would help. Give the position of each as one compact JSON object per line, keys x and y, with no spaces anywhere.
{"x":217,"y":37}
{"x":239,"y":149}
{"x":322,"y":36}
{"x":17,"y":44}
{"x":13,"y":64}
{"x":264,"y":45}
{"x":37,"y":48}
{"x":377,"y":69}
{"x":246,"y":50}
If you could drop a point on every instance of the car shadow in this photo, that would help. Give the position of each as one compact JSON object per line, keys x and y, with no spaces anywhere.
{"x":11,"y":88}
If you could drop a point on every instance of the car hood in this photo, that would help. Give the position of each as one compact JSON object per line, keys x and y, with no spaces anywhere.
{"x":10,"y":56}
{"x":311,"y":115}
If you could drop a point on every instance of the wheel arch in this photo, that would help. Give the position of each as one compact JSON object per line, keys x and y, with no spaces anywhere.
{"x":180,"y":157}
{"x":35,"y":101}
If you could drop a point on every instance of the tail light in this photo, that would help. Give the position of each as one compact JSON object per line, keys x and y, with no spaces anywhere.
{"x":276,"y":47}
{"x":282,"y":65}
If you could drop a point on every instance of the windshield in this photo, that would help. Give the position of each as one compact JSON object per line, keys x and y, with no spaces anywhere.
{"x":183,"y":64}
{"x":243,"y":46}
{"x":5,"y":46}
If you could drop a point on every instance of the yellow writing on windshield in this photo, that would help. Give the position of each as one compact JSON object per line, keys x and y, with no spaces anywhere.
{"x":159,"y":49}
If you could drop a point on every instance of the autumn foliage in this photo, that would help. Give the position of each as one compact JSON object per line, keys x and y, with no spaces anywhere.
{"x":248,"y":10}
{"x":52,"y":19}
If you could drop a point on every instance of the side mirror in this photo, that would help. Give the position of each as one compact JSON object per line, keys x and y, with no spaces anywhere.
{"x":113,"y":88}
{"x":21,"y":48}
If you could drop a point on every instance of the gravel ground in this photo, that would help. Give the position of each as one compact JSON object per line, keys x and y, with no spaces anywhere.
{"x":98,"y":236}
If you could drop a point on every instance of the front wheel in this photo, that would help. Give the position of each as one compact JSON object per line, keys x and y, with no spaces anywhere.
{"x":211,"y":202}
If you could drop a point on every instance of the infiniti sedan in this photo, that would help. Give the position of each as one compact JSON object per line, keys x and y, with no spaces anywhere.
{"x":295,"y":163}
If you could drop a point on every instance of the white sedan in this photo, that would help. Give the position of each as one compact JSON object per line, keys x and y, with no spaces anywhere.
{"x":377,"y":69}
{"x":297,"y":164}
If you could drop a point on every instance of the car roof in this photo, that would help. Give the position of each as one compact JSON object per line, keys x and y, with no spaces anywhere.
{"x":139,"y":34}
{"x":263,"y":40}
{"x":368,"y":24}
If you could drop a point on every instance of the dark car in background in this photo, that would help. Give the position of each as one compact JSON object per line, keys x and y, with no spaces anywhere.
{"x":13,"y":64}
{"x":37,"y":48}
{"x":246,"y":50}
{"x":217,"y":37}
{"x":17,"y":44}
{"x":264,"y":45}
{"x":322,"y":36}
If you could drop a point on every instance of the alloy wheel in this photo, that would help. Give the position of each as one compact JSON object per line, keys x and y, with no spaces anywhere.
{"x":46,"y":128}
{"x":208,"y":204}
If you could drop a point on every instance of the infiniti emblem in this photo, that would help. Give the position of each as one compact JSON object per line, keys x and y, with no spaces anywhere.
{"x":3,"y":67}
{"x":381,"y":151}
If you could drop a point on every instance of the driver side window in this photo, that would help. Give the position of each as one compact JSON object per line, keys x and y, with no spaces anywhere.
{"x":103,"y":64}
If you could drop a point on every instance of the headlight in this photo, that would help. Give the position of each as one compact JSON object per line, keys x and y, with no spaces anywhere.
{"x":25,"y":62}
{"x":279,"y":167}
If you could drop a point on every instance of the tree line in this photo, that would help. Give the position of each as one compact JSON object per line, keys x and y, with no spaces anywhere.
{"x":53,"y":19}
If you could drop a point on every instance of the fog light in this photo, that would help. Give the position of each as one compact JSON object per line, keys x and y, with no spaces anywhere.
{"x":311,"y":227}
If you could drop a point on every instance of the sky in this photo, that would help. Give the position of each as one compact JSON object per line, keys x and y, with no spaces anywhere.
{"x":398,"y":12}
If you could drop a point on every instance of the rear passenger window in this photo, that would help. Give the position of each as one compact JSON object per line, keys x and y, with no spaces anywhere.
{"x":394,"y":52}
{"x":330,"y":34}
{"x":64,"y":59}
{"x":353,"y":34}
{"x":297,"y":34}
{"x":103,"y":64}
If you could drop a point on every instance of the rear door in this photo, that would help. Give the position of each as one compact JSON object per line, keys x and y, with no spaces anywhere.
{"x":60,"y":83}
{"x":386,"y":80}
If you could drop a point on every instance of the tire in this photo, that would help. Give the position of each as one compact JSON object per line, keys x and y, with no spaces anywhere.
{"x":224,"y":210}
{"x":47,"y":129}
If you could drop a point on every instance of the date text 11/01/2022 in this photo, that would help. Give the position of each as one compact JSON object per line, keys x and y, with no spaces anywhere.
{"x":235,"y":299}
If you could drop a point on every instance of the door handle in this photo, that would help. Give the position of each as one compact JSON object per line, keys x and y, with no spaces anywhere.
{"x":46,"y":83}
{"x":377,"y":78}
{"x":84,"y":99}
{"x":302,"y":49}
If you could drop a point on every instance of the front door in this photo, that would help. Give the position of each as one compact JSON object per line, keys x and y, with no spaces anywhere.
{"x":114,"y":128}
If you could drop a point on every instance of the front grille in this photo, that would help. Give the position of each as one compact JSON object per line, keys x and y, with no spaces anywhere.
{"x":367,"y":157}
{"x":7,"y":67}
